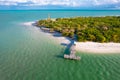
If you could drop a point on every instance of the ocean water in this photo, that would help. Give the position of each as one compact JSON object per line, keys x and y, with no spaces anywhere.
{"x":26,"y":53}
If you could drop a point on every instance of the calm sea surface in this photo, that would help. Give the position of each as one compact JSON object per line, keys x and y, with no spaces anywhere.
{"x":26,"y":53}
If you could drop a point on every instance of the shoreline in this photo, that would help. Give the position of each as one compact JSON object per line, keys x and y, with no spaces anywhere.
{"x":89,"y":47}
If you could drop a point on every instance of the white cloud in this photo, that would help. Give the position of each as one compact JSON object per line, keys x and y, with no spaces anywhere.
{"x":105,"y":2}
{"x":8,"y":3}
{"x":12,"y":2}
{"x":71,"y":3}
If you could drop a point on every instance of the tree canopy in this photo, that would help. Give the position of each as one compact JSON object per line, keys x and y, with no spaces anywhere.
{"x":97,"y":29}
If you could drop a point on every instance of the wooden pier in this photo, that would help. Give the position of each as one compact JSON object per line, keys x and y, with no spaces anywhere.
{"x":72,"y":53}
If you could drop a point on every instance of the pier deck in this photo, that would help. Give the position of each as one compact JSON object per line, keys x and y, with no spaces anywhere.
{"x":72,"y":54}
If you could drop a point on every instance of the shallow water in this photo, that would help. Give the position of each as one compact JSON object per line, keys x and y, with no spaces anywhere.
{"x":26,"y":53}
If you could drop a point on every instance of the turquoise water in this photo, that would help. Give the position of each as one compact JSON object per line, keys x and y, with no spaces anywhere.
{"x":26,"y":53}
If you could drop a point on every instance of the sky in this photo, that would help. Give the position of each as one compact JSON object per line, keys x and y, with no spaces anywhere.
{"x":60,"y":4}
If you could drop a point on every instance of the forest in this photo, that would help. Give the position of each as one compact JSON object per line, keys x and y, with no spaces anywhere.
{"x":96,"y":29}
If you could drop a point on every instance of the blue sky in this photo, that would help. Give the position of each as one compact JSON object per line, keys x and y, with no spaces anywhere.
{"x":60,"y":4}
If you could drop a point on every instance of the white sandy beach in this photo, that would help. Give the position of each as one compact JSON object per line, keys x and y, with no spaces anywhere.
{"x":94,"y":47}
{"x":90,"y":47}
{"x":28,"y":23}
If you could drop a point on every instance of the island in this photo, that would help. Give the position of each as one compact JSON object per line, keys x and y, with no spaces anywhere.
{"x":96,"y":29}
{"x":92,"y":34}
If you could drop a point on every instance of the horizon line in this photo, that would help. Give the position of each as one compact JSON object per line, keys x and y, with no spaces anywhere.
{"x":62,"y":9}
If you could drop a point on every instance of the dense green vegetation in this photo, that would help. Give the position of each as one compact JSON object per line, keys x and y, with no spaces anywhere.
{"x":97,"y":29}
